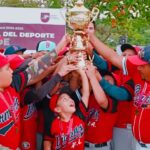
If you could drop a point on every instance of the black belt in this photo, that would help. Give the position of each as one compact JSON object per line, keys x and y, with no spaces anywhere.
{"x":95,"y":145}
{"x":143,"y":145}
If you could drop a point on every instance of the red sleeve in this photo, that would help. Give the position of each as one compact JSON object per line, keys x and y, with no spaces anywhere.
{"x":112,"y":105}
{"x":83,"y":108}
{"x":19,"y":81}
{"x":50,"y":137}
{"x":129,"y":86}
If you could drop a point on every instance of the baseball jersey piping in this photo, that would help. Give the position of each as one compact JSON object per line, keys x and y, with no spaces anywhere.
{"x":125,"y":71}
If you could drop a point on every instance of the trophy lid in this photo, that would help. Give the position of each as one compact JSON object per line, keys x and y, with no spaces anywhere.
{"x":79,"y":7}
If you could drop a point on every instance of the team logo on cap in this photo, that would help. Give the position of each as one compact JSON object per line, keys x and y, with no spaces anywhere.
{"x":15,"y":48}
{"x":45,"y":17}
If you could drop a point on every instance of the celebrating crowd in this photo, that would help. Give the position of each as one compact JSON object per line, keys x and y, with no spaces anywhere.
{"x":48,"y":102}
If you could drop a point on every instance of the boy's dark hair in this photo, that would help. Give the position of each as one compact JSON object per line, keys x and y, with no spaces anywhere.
{"x":66,"y":90}
{"x":126,"y":46}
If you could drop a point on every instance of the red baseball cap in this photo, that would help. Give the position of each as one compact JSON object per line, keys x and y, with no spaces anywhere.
{"x":142,"y":58}
{"x":3,"y":60}
{"x":15,"y":61}
{"x":53,"y":102}
{"x":1,"y":50}
{"x":137,"y":48}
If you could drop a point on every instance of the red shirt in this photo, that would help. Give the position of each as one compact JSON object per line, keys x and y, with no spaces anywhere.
{"x":9,"y":118}
{"x":100,"y":124}
{"x":10,"y":112}
{"x":141,"y":104}
{"x":40,"y":121}
{"x":124,"y":114}
{"x":68,"y":135}
{"x":124,"y":108}
{"x":28,"y":127}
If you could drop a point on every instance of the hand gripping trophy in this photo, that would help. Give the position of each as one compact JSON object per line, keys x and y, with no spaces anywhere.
{"x":79,"y":18}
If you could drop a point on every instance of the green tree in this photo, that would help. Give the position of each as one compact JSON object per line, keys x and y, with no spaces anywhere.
{"x":129,"y":18}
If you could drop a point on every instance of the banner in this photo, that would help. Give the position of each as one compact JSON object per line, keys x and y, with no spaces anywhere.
{"x":27,"y":26}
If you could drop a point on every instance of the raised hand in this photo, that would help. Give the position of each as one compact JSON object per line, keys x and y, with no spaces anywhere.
{"x":90,"y":70}
{"x":65,"y":69}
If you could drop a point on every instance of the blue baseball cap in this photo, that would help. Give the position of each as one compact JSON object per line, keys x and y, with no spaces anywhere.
{"x":13,"y":49}
{"x":46,"y":46}
{"x":142,"y":58}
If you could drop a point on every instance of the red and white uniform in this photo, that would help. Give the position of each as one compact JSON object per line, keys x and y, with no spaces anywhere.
{"x":28,"y":121}
{"x":124,"y":108}
{"x":141,"y":104}
{"x":68,"y":135}
{"x":9,"y":118}
{"x":100,"y":123}
{"x":10,"y":112}
{"x":28,"y":127}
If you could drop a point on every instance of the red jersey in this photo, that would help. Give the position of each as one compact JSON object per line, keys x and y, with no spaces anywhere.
{"x":10,"y":112}
{"x":141,"y":103}
{"x":40,"y":121}
{"x":124,"y":114}
{"x":124,"y":108}
{"x":28,"y":127}
{"x":100,"y":123}
{"x":68,"y":135}
{"x":9,"y":118}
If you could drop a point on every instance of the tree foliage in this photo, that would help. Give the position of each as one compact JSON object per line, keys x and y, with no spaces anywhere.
{"x":130,"y":18}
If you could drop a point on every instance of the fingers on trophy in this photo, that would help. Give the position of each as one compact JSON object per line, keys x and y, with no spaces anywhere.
{"x":79,"y":18}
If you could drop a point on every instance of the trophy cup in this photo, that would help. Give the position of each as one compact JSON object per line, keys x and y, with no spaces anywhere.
{"x":79,"y":18}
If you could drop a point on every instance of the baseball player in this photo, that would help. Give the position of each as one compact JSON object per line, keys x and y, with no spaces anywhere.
{"x":67,"y":130}
{"x":138,"y":68}
{"x":10,"y":100}
{"x":102,"y":114}
{"x":122,"y":134}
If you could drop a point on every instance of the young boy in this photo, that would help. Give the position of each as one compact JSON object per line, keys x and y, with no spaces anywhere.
{"x":9,"y":108}
{"x":67,"y":130}
{"x":102,"y":113}
{"x":10,"y":85}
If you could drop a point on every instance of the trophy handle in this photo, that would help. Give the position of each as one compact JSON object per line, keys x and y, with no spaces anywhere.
{"x":94,"y":14}
{"x":67,"y":18}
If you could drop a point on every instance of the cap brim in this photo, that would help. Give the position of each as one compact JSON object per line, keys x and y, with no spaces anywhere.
{"x":23,"y":49}
{"x":53,"y":102}
{"x":136,"y":60}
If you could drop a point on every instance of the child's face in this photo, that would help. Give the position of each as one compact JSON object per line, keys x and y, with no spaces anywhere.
{"x":91,"y":27}
{"x":128,"y":52}
{"x":66,"y":104}
{"x":5,"y":76}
